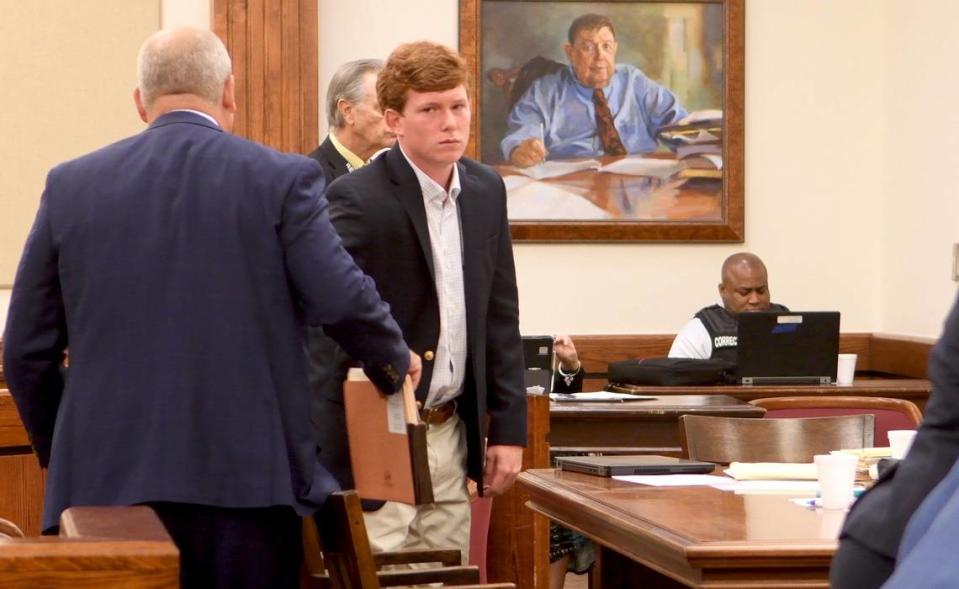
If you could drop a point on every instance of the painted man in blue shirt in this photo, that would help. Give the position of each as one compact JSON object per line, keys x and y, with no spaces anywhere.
{"x":593,"y":107}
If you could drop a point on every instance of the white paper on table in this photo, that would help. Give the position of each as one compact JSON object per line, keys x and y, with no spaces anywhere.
{"x":539,"y":200}
{"x":771,"y":471}
{"x":514,"y":182}
{"x":642,"y":166}
{"x":678,"y":480}
{"x":774,"y":487}
{"x":554,"y":169}
{"x":598,"y":396}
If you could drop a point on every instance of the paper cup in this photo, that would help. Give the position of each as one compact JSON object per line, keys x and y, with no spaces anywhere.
{"x":837,"y":475}
{"x":845,"y":369}
{"x":900,"y":440}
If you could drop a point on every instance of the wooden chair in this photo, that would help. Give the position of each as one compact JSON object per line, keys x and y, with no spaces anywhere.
{"x":737,"y":439}
{"x":339,"y":555}
{"x":890,"y":414}
{"x":116,"y":547}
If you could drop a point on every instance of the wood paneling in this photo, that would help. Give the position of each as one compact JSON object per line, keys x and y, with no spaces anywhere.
{"x":518,"y":549}
{"x":895,"y":354}
{"x":21,"y":480}
{"x":273,"y":44}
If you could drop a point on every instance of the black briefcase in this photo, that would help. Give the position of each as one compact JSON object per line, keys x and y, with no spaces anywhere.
{"x":671,"y":372}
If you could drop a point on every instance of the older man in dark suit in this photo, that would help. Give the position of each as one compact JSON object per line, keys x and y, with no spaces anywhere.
{"x":176,"y":266}
{"x":357,"y":130}
{"x":430,"y":227}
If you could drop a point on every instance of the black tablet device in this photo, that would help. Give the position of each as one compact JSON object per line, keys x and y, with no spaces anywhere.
{"x":607,"y":466}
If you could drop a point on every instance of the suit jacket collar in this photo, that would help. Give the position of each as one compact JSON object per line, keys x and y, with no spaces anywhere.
{"x":181,"y":116}
{"x":408,"y":192}
{"x":334,"y":158}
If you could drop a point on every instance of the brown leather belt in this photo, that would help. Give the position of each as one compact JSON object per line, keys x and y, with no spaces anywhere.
{"x":439,"y":414}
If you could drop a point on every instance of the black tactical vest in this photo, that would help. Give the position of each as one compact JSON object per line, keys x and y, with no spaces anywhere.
{"x":722,"y":329}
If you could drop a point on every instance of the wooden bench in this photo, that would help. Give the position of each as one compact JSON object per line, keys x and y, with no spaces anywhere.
{"x":116,"y":547}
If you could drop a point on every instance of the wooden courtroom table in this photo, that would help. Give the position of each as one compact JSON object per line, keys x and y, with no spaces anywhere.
{"x":916,"y":390}
{"x":645,"y":427}
{"x":688,"y":536}
{"x":21,"y":480}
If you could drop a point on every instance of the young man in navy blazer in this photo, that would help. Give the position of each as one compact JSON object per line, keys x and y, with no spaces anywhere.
{"x":430,"y":227}
{"x":177,"y":266}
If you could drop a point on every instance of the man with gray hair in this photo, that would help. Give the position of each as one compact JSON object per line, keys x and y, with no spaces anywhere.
{"x":178,"y":265}
{"x":356,"y":123}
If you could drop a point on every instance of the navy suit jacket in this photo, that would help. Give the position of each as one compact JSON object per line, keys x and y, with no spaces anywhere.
{"x":379,"y":212}
{"x":878,"y":518}
{"x":927,"y":556}
{"x":178,"y":267}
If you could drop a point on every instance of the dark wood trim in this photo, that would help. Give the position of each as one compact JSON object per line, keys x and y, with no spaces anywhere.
{"x":902,"y":355}
{"x":273,"y":44}
{"x":518,"y":543}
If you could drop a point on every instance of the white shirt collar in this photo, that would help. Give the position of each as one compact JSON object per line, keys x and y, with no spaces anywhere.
{"x":196,"y":112}
{"x":431,"y":189}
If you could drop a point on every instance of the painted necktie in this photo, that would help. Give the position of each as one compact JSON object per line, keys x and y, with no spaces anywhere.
{"x":608,"y":135}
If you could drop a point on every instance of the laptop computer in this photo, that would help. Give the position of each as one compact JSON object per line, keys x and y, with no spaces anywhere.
{"x":607,"y":466}
{"x":538,"y":357}
{"x":779,"y":347}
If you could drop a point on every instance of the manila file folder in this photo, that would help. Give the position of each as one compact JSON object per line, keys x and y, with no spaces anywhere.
{"x":387,"y":442}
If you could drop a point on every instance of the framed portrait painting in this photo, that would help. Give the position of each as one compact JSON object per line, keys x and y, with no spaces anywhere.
{"x":611,"y":121}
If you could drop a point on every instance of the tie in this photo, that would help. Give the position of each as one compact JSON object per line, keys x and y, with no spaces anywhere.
{"x":608,"y":134}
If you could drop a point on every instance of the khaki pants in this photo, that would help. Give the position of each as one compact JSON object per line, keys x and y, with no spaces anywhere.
{"x":445,"y":523}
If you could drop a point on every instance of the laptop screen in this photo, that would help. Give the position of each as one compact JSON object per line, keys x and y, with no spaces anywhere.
{"x":538,"y":356}
{"x":787,"y":347}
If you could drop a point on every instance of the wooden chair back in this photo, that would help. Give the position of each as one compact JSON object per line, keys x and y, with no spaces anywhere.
{"x":350,"y":563}
{"x":116,"y":547}
{"x":736,"y":439}
{"x":346,"y":546}
{"x":890,"y":414}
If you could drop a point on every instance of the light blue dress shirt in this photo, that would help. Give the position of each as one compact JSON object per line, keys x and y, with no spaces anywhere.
{"x":559,"y":110}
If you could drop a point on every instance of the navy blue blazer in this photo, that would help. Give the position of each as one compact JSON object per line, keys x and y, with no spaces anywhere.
{"x":379,"y":212}
{"x":878,"y":518}
{"x":927,"y":556}
{"x":178,"y":266}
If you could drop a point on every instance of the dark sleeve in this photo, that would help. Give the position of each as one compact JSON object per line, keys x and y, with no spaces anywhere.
{"x":575,"y":384}
{"x":36,"y":336}
{"x":333,"y":291}
{"x":506,"y":394}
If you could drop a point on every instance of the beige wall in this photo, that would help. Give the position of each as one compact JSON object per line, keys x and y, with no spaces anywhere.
{"x":67,"y":76}
{"x":841,"y":193}
{"x":922,"y":156}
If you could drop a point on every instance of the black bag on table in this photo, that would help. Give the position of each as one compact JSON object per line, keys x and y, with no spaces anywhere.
{"x":671,"y":371}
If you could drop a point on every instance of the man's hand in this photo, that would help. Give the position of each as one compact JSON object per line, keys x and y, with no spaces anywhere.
{"x":503,"y":463}
{"x":566,"y":353}
{"x":416,"y":369}
{"x":528,"y":153}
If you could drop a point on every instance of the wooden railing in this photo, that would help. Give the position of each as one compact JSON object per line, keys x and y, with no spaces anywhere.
{"x":879,"y":353}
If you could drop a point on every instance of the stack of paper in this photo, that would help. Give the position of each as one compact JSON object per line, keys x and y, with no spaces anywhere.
{"x":772,"y":471}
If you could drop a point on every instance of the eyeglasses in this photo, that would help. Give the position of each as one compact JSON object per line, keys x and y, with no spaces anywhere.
{"x":589,"y":48}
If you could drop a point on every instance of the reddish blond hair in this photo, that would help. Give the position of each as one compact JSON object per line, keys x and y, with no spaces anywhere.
{"x":422,"y":67}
